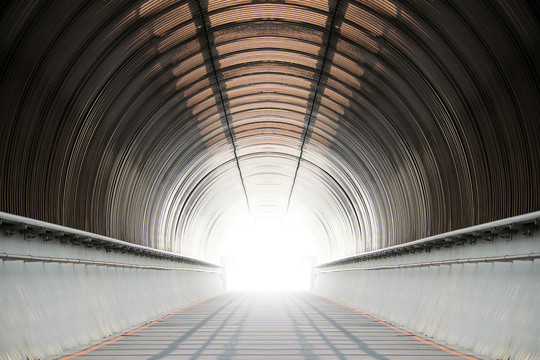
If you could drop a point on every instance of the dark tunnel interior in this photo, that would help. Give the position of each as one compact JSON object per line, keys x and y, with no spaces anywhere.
{"x":368,"y":123}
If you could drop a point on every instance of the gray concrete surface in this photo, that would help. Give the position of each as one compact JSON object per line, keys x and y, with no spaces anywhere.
{"x":251,"y":326}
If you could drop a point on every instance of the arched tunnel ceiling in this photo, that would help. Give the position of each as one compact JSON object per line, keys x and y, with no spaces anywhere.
{"x":374,"y":122}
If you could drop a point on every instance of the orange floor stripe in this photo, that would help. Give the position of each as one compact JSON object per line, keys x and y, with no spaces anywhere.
{"x":131,"y":332}
{"x":405,"y":332}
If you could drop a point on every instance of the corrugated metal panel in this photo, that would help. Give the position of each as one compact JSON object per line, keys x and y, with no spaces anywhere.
{"x":392,"y":120}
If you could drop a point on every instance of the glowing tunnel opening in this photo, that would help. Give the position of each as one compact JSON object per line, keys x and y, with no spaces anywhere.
{"x":268,"y":253}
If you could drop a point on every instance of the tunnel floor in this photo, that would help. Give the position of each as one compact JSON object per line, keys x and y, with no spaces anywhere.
{"x":294,"y":325}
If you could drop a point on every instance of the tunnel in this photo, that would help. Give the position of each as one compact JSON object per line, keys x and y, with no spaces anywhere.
{"x":385,"y":153}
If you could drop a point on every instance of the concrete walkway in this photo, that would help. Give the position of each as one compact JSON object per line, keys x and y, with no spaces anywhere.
{"x":251,"y":326}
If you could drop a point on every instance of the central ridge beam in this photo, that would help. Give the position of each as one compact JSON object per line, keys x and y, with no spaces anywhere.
{"x":221,"y":96}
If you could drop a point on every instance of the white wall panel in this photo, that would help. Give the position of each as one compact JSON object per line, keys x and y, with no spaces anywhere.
{"x":491,"y":309}
{"x":49,"y":308}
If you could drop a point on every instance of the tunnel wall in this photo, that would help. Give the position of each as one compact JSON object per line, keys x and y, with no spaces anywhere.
{"x":488,"y":308}
{"x":49,"y":308}
{"x":148,"y":122}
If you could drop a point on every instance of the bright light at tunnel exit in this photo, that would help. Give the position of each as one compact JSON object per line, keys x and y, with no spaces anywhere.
{"x":268,"y":253}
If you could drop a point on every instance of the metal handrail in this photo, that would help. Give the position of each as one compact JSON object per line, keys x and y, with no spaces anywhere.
{"x":42,"y":228}
{"x":525,"y":223}
{"x":31,"y":258}
{"x":506,"y":258}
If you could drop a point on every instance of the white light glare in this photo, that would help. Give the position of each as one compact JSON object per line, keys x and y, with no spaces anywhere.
{"x":268,"y":253}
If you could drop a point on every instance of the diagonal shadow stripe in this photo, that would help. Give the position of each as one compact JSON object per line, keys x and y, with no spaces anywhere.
{"x":174,"y":345}
{"x":362,"y":345}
